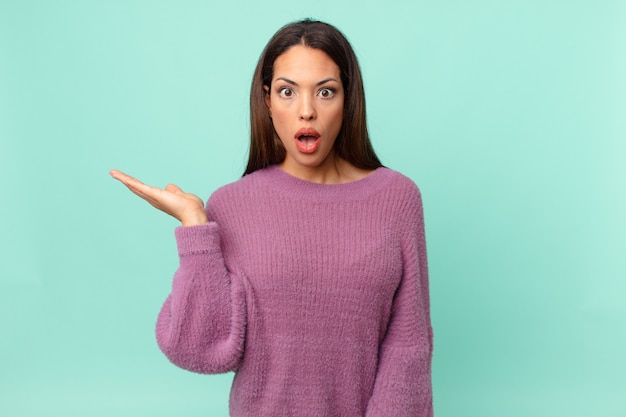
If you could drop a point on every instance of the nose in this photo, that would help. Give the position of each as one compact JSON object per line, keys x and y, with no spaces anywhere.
{"x":307,"y":109}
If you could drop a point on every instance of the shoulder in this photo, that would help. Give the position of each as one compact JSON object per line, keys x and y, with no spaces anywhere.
{"x":400,"y":186}
{"x":402,"y":199}
{"x":241,"y":190}
{"x":400,"y":180}
{"x":406,"y":208}
{"x":242,"y":185}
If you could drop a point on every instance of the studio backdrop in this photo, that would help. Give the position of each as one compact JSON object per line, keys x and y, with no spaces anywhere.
{"x":509,"y":115}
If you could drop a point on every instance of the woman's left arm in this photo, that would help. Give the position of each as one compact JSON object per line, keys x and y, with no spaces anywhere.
{"x":403,"y":386}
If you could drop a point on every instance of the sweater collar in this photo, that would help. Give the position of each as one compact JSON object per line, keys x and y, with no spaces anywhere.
{"x":311,"y":191}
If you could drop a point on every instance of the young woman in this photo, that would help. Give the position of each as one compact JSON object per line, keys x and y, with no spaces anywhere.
{"x":308,"y":276}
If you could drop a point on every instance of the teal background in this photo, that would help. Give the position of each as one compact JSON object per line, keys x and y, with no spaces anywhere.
{"x":510,"y":115}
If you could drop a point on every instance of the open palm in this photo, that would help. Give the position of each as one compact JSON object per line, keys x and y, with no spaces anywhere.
{"x":186,"y":207}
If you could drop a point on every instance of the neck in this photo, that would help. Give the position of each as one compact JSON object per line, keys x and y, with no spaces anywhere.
{"x":333,"y":170}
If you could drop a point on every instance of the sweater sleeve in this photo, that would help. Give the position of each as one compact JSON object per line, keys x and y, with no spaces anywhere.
{"x":201,"y":326}
{"x":403,"y":386}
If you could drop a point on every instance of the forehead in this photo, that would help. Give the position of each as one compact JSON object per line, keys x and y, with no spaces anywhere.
{"x":303,"y":62}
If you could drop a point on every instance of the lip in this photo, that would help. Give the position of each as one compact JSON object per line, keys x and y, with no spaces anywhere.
{"x":312,"y":147}
{"x":306,"y":131}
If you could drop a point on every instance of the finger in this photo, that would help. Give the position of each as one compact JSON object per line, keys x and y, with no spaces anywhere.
{"x":134,"y":184}
{"x":139,"y":187}
{"x":118,"y":175}
{"x":147,"y":192}
{"x":124,"y":178}
{"x":152,"y":195}
{"x":156,"y":199}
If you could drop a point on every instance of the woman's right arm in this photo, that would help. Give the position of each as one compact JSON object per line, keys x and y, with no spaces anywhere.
{"x":201,"y":326}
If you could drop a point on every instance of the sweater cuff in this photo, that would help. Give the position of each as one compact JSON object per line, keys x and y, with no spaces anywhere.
{"x":202,"y":238}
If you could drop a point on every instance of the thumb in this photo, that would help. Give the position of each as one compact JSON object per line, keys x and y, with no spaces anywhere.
{"x":173,"y":189}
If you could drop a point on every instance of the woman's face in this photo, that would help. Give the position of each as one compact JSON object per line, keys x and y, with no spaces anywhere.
{"x":306,"y":106}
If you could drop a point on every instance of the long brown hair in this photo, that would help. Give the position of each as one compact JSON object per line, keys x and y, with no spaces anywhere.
{"x":353,"y":142}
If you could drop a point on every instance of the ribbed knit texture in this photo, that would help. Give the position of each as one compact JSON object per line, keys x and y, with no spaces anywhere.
{"x":315,"y":295}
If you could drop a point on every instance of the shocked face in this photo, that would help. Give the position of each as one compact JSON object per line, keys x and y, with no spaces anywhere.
{"x":305,"y":102}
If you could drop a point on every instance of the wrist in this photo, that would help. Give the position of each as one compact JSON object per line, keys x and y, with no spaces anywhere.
{"x":194,"y":220}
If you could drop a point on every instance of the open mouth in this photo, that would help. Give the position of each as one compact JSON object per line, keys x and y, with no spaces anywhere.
{"x":307,"y":140}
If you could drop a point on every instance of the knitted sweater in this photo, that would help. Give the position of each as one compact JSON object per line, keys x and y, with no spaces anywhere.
{"x":315,"y":295}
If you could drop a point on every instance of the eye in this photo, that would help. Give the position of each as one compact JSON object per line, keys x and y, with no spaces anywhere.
{"x":285,"y":92}
{"x":326,"y":92}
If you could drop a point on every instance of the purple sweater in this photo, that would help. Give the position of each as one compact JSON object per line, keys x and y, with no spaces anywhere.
{"x":315,"y":295}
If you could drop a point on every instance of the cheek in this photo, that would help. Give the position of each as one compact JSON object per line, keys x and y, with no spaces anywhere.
{"x":281,"y":126}
{"x":337,"y":110}
{"x":337,"y":117}
{"x":278,"y":120}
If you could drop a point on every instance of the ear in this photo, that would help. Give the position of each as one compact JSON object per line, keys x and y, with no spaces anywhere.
{"x":268,"y":101}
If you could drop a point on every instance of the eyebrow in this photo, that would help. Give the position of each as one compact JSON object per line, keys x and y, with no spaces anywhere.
{"x":324,"y":81}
